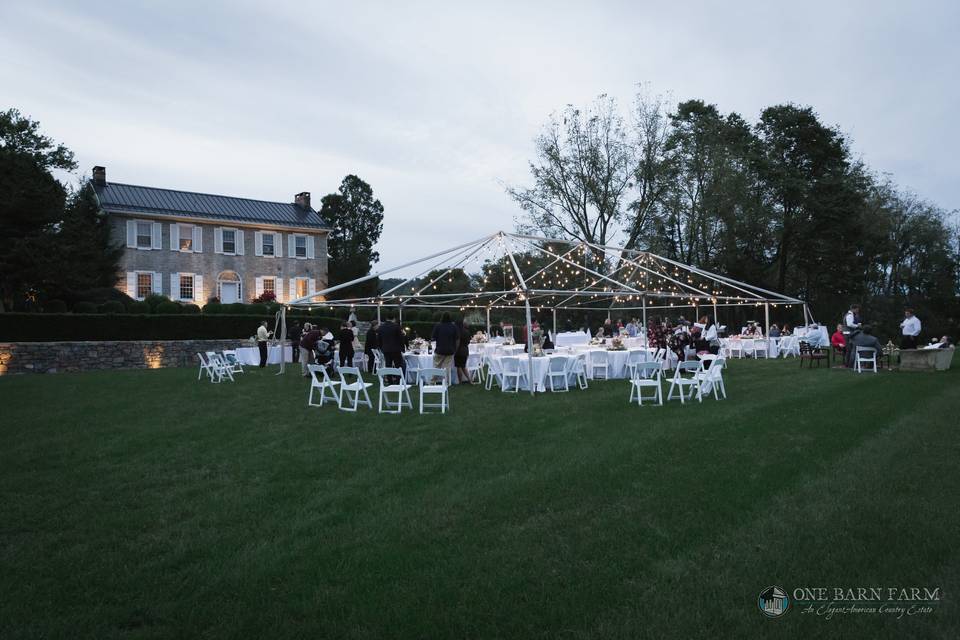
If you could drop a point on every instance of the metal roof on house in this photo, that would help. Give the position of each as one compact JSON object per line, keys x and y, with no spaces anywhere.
{"x":128,"y":198}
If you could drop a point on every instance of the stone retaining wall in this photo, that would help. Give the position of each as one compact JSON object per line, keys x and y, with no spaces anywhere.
{"x":52,"y":357}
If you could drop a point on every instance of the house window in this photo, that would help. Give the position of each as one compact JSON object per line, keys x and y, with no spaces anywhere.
{"x":229,"y":241}
{"x":302,"y":289}
{"x":144,"y":285}
{"x":144,"y":235}
{"x":300,"y":246}
{"x":186,"y":237}
{"x":270,"y":285}
{"x":186,"y":286}
{"x":267,"y":244}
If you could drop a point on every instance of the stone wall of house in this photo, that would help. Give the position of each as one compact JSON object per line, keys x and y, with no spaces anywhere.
{"x":210,"y":264}
{"x":53,"y":357}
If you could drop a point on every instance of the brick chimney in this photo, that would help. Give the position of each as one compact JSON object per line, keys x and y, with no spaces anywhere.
{"x":302,"y":200}
{"x":100,"y":176}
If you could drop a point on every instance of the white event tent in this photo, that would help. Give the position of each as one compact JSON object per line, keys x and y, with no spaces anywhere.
{"x":555,"y":274}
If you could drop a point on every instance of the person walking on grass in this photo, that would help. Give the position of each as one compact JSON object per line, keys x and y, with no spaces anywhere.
{"x":371,"y":343}
{"x":311,"y":335}
{"x":262,"y":336}
{"x":446,"y":336}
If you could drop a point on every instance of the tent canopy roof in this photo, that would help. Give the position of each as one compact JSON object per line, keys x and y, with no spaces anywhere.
{"x":507,"y":270}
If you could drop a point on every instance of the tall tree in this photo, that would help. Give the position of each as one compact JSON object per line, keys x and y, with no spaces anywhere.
{"x":581,"y":176}
{"x":356,"y":221}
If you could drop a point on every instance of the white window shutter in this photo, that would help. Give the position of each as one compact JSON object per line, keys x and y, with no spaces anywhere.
{"x":278,"y":244}
{"x":217,"y":240}
{"x":293,"y":289}
{"x":311,"y":286}
{"x":292,"y":245}
{"x":132,"y":284}
{"x":309,"y":247}
{"x":158,"y":283}
{"x":157,"y":235}
{"x":174,"y":286}
{"x":257,"y":244}
{"x":174,"y":236}
{"x":132,"y":234}
{"x":197,"y":239}
{"x":198,"y":289}
{"x":278,"y":289}
{"x":238,"y":236}
{"x":259,"y":285}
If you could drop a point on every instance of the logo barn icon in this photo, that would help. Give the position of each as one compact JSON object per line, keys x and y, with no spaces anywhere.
{"x":773,"y":602}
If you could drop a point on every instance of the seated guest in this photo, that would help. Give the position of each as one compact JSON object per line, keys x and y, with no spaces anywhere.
{"x":786,"y":331}
{"x":774,"y":331}
{"x":946,"y":343}
{"x":815,"y":337}
{"x":863,"y":338}
{"x":839,"y":342}
{"x":632,"y":328}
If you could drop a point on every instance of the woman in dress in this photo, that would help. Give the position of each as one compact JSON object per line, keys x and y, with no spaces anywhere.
{"x":462,"y":353}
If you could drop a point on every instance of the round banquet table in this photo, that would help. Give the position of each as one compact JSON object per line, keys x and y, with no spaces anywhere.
{"x":541,"y":365}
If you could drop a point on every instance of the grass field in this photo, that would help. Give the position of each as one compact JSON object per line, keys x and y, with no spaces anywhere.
{"x":144,"y":504}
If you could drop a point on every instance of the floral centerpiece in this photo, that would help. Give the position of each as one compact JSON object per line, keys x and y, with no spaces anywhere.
{"x":892,"y":351}
{"x":537,"y":336}
{"x":479,"y":338}
{"x":595,"y":342}
{"x":418,"y":344}
{"x":616,"y":344}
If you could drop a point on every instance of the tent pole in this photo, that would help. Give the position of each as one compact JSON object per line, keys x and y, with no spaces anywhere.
{"x":766,"y":319}
{"x":554,"y":323}
{"x":526,"y":301}
{"x":488,"y":323}
{"x":378,"y":314}
{"x":644,"y":298}
{"x":401,"y":317}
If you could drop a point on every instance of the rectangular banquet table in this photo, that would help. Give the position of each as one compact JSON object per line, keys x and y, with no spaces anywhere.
{"x":251,"y":355}
{"x":570,"y":338}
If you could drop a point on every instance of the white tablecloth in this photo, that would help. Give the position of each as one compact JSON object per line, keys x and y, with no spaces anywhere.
{"x":251,"y":355}
{"x":540,"y":367}
{"x":423,"y":361}
{"x":570,"y":338}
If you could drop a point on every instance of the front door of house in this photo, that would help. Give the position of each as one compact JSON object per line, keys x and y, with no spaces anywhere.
{"x":229,"y":292}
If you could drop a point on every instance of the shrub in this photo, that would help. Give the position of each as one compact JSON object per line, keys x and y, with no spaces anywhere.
{"x":256,"y":309}
{"x":213,"y":307}
{"x":155,"y":300}
{"x":168,"y":307}
{"x":113,"y":306}
{"x":45,"y":327}
{"x":266,"y":297}
{"x":98,"y":296}
{"x":84,"y":307}
{"x":190,"y":309}
{"x":55,"y":306}
{"x":213,"y":300}
{"x":139,"y":307}
{"x":235,"y":308}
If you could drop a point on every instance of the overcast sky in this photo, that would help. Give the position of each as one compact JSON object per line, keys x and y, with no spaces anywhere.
{"x":436,"y":105}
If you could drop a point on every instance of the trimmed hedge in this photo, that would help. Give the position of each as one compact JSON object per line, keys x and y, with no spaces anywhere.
{"x":73,"y":327}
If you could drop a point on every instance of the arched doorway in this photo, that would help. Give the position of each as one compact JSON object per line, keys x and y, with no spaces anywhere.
{"x":229,"y":287}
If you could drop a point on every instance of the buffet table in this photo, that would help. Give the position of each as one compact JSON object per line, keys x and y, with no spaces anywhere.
{"x":251,"y":355}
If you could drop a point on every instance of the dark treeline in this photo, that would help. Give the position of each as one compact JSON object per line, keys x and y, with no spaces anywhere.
{"x":781,"y":203}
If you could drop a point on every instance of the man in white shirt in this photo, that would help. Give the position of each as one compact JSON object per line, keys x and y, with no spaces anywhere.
{"x":852,"y":318}
{"x":910,"y":330}
{"x":262,"y":336}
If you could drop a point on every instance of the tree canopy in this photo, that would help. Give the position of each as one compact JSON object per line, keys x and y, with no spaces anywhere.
{"x":355,"y":218}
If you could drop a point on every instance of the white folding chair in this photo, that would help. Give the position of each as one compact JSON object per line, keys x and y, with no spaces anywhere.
{"x":711,"y":379}
{"x":220,"y":368}
{"x":761,"y":346}
{"x":413,"y":366}
{"x":206,"y":367}
{"x":352,"y":382}
{"x":558,"y":369}
{"x":635,"y":357}
{"x":749,"y":348}
{"x":599,"y":362}
{"x":511,"y":370}
{"x":379,"y":360}
{"x":735,"y":348}
{"x":863,"y":359}
{"x":230,"y":356}
{"x":433,"y":381}
{"x":401,"y":388}
{"x":475,"y":366}
{"x":646,"y":374}
{"x":578,"y":370}
{"x":494,"y":372}
{"x":320,"y":380}
{"x":690,"y":381}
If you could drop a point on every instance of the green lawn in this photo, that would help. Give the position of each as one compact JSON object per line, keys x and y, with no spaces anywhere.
{"x":144,"y":504}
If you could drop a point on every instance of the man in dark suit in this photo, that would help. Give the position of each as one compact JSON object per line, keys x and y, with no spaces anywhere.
{"x":371,"y":342}
{"x":391,"y":343}
{"x":294,"y":337}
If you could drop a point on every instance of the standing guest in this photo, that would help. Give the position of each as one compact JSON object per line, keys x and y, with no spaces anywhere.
{"x":774,"y":331}
{"x":356,"y":335}
{"x":632,"y":328}
{"x":839,"y":343}
{"x":308,"y":343}
{"x":445,"y":336}
{"x":345,"y":338}
{"x":294,"y":336}
{"x":262,"y":336}
{"x":462,"y":353}
{"x":910,"y":328}
{"x":391,"y":340}
{"x":372,"y":342}
{"x":852,"y":317}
